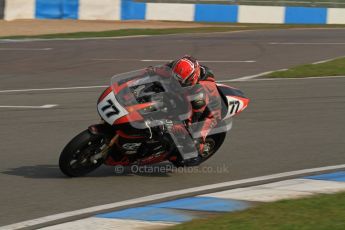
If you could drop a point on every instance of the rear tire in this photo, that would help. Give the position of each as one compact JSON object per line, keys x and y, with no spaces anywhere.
{"x":75,"y":158}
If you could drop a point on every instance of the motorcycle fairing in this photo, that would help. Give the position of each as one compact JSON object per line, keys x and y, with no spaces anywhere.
{"x":109,"y":108}
{"x":234,"y":98}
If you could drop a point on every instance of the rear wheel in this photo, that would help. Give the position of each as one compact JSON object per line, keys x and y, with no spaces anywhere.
{"x":75,"y":159}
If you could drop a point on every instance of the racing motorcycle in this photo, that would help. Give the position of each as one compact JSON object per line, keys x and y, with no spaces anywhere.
{"x":137,"y":112}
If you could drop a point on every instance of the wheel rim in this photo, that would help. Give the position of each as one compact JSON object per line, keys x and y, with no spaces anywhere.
{"x":208,"y":147}
{"x":81,"y":157}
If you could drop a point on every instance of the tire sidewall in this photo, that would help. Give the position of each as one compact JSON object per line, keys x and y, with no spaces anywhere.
{"x":64,"y":161}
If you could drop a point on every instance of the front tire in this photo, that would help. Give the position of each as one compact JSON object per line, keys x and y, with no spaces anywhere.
{"x":75,"y":158}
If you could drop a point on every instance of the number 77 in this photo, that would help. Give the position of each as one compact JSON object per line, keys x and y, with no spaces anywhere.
{"x":234,"y":104}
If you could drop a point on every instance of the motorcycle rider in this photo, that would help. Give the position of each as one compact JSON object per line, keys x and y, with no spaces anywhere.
{"x":205,"y":102}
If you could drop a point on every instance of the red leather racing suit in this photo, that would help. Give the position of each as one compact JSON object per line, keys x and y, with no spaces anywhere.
{"x":205,"y":104}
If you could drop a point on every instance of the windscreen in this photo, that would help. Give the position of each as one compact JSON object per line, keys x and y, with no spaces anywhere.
{"x":154,"y":86}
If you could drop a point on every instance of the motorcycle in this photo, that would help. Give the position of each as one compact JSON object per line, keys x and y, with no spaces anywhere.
{"x":137,"y":112}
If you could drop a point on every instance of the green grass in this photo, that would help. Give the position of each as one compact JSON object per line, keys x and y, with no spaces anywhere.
{"x":221,"y":27}
{"x":325,"y":212}
{"x":331,"y":68}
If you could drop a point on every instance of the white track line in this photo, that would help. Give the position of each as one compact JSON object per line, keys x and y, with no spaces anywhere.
{"x":25,"y":49}
{"x":253,"y":78}
{"x":292,"y":78}
{"x":168,"y":60}
{"x":28,"y":107}
{"x":53,"y":89}
{"x":250,"y":77}
{"x":327,"y":60}
{"x":306,"y":43}
{"x":152,"y":198}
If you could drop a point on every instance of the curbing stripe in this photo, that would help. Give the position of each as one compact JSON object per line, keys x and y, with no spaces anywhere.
{"x":258,"y":194}
{"x":57,"y":9}
{"x":338,"y":176}
{"x":148,"y":213}
{"x":307,"y":185}
{"x":170,"y":11}
{"x":107,"y":223}
{"x":180,"y":210}
{"x":100,"y":9}
{"x":215,"y":13}
{"x":225,"y":201}
{"x":336,"y":16}
{"x":131,"y":10}
{"x":44,"y":221}
{"x":204,"y":203}
{"x":305,"y":15}
{"x":288,"y":189}
{"x":19,"y":9}
{"x":261,"y":14}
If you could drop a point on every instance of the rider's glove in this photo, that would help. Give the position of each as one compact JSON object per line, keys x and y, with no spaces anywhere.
{"x":200,"y":144}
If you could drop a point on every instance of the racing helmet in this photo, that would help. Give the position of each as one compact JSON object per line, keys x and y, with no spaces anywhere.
{"x":186,"y":70}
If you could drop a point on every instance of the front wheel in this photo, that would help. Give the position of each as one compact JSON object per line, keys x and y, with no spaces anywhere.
{"x":75,"y":159}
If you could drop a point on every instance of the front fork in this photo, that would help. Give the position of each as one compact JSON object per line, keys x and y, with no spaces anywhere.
{"x":107,"y":132}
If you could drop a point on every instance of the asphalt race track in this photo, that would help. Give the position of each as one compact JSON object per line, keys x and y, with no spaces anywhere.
{"x":289,"y":125}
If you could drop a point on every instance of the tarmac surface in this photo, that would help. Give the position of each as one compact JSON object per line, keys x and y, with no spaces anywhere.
{"x":289,"y":124}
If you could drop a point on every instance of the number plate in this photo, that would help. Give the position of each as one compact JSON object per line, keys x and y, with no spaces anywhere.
{"x":235,"y":105}
{"x":110,"y":109}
